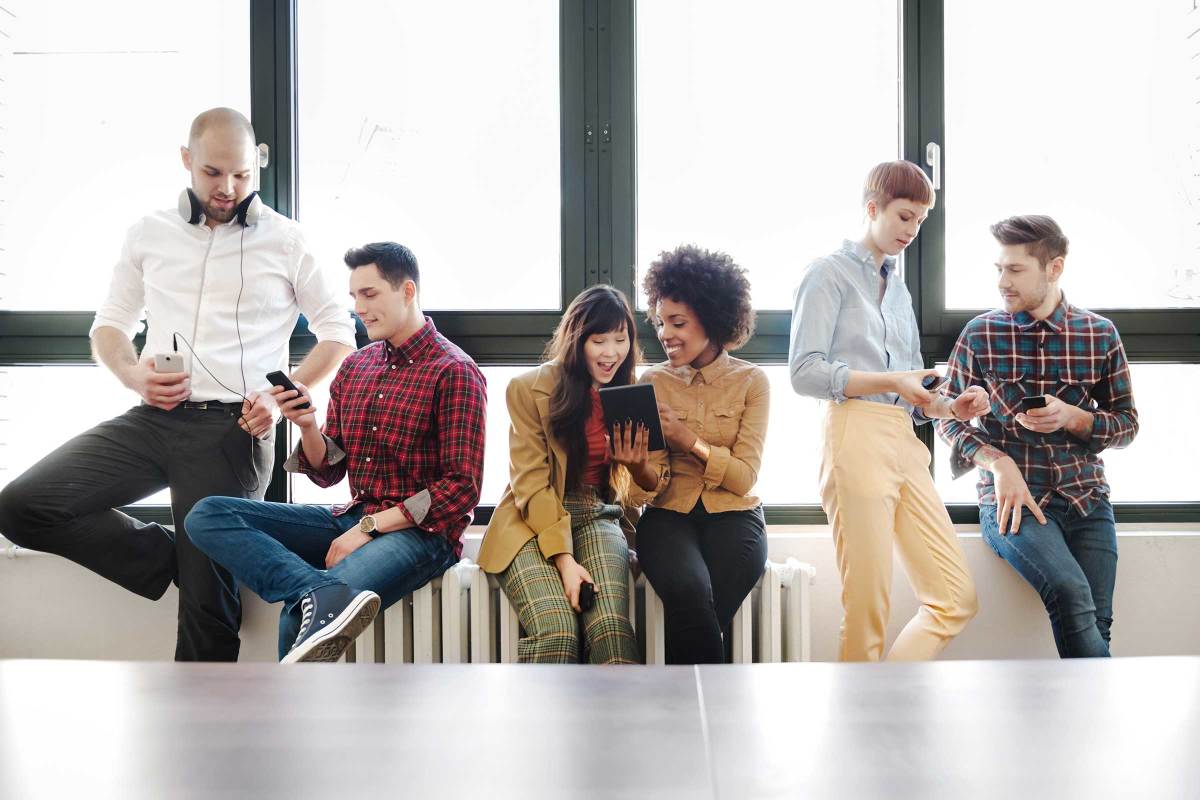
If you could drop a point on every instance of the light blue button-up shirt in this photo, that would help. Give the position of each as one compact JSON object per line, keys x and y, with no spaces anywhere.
{"x":839,"y":324}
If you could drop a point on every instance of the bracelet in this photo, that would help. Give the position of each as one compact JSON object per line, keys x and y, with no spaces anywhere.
{"x":701,"y":450}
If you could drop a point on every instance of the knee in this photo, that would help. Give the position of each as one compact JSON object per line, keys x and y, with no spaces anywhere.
{"x":555,"y":638}
{"x":199,"y":521}
{"x":960,"y":610}
{"x":16,"y":519}
{"x":1071,"y":597}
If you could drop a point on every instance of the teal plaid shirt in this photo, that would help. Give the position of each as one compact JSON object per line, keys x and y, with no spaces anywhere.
{"x":1073,"y":354}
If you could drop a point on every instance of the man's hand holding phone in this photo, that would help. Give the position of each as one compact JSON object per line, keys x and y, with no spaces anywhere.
{"x":296,"y":404}
{"x":161,"y":389}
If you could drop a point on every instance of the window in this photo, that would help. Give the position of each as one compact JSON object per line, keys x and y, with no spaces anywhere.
{"x":435,"y":125}
{"x":96,"y":112}
{"x":745,"y":145}
{"x":1088,"y":113}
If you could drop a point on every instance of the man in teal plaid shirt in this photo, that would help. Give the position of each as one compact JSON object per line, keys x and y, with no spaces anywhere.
{"x":1061,"y":394}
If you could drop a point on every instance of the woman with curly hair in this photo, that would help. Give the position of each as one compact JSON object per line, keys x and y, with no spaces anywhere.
{"x":556,"y":535}
{"x":855,"y":342}
{"x":702,"y":540}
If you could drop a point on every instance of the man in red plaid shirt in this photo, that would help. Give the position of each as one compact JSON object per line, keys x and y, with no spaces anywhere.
{"x":1061,"y":394}
{"x":406,"y":423}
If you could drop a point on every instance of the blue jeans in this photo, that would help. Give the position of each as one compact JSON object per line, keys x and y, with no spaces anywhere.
{"x":1072,"y":562}
{"x":278,"y":551}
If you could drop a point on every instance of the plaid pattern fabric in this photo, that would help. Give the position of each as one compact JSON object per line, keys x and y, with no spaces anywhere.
{"x":536,"y":592}
{"x":407,"y":425}
{"x":1073,"y":354}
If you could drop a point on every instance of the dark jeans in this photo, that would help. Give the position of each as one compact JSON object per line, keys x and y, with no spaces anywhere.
{"x":702,"y":566}
{"x":278,"y":551}
{"x":65,"y":504}
{"x":1072,"y":563}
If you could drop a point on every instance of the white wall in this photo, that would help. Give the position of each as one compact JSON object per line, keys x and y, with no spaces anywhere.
{"x":51,"y":608}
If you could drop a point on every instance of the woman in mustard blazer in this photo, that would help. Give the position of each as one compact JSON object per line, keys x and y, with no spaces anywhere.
{"x":558,"y":528}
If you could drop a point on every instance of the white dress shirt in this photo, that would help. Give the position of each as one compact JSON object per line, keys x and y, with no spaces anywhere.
{"x":186,"y":279}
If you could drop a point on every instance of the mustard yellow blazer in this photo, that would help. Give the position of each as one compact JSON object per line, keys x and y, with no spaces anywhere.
{"x":532,"y":504}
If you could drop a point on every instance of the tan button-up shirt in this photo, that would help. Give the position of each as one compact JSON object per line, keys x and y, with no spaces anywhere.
{"x":726,"y":404}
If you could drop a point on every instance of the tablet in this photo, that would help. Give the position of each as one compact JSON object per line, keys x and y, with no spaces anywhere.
{"x":636,"y":402}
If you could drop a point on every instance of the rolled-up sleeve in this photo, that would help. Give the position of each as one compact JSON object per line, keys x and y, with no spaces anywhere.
{"x":814,"y":317}
{"x":122,"y":308}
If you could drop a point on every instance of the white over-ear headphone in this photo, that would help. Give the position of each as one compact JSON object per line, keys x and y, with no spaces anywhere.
{"x":248,"y":212}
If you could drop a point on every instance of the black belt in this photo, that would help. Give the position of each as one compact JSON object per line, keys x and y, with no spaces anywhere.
{"x":212,"y":405}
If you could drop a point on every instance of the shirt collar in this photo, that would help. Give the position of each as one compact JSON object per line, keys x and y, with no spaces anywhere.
{"x":1057,"y":321}
{"x":860,"y":253}
{"x":709,"y":372}
{"x":414,"y":346}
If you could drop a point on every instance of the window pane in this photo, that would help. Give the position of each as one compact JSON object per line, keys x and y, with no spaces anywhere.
{"x":495,"y":459}
{"x":43,"y":407}
{"x":97,"y":110}
{"x":792,"y":456}
{"x":745,"y":145}
{"x":1097,"y":129}
{"x":1155,"y":468}
{"x":435,"y":125}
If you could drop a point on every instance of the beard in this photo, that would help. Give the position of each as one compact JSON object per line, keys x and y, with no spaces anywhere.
{"x":214,"y":212}
{"x":1032,"y":300}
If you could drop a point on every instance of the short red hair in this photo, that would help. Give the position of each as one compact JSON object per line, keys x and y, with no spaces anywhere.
{"x":898,"y":180}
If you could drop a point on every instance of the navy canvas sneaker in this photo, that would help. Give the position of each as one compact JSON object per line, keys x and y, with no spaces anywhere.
{"x":331,"y":617}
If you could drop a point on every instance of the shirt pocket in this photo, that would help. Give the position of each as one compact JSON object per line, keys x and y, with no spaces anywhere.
{"x":1075,"y":387}
{"x":690,"y":421}
{"x":727,"y":420}
{"x":1006,"y":388}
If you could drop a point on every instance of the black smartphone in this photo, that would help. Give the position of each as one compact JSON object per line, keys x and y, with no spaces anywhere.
{"x":1038,"y":401}
{"x":587,"y":596}
{"x":933,"y":382}
{"x":277,"y":378}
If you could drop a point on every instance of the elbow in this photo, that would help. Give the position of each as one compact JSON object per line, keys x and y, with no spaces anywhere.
{"x":807,"y":383}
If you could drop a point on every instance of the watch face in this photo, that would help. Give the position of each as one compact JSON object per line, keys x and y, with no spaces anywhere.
{"x":367,"y":524}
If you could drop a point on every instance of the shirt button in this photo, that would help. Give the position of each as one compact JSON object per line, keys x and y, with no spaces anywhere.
{"x":394,"y":366}
{"x":380,"y":395}
{"x":368,"y":459}
{"x":410,"y":361}
{"x":374,"y":427}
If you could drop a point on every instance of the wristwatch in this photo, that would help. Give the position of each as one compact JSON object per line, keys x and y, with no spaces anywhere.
{"x":367,"y":525}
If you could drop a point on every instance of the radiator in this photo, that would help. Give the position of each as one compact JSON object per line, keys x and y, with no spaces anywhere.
{"x":464,"y":616}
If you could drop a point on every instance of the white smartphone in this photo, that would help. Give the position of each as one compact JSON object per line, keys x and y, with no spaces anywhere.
{"x":169,"y":362}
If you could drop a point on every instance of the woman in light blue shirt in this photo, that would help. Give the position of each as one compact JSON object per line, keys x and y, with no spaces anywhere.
{"x":855,"y":343}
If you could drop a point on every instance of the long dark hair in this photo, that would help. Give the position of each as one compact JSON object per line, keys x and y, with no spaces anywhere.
{"x":597,"y":309}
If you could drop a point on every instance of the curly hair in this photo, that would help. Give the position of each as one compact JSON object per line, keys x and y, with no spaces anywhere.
{"x":712,"y":284}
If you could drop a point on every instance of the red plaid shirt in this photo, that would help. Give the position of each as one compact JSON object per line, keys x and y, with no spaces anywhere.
{"x":1073,"y":354}
{"x":407,"y":425}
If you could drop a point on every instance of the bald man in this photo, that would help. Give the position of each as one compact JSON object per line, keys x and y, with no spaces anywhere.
{"x":220,"y":282}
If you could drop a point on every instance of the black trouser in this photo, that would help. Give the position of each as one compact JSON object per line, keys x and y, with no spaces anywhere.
{"x":702,"y":566}
{"x":65,"y":504}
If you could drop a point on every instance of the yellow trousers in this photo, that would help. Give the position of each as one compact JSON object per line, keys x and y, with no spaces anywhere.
{"x":879,"y":496}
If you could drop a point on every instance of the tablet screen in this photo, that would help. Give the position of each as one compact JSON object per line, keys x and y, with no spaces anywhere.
{"x":636,"y":403}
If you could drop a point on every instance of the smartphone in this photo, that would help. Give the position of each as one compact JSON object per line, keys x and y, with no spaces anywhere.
{"x":169,"y":362}
{"x":587,"y":596}
{"x":277,"y":378}
{"x":1033,"y":402}
{"x":933,"y":382}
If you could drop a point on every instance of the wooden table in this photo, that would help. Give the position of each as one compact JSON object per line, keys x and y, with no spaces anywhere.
{"x":1012,"y":729}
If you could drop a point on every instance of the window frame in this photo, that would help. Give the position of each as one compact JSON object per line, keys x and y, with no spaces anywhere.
{"x":599,"y":217}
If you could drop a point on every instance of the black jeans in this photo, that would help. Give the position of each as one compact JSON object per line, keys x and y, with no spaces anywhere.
{"x":702,"y":566}
{"x":65,"y":504}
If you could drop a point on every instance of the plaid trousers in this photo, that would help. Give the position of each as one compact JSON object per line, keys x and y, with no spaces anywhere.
{"x":550,"y":625}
